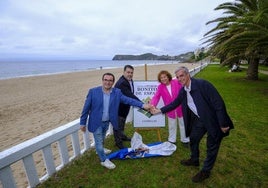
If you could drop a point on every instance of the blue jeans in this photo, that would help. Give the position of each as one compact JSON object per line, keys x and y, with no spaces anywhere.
{"x":99,"y":137}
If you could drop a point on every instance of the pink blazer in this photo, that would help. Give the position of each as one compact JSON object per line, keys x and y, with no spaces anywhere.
{"x":162,"y":91}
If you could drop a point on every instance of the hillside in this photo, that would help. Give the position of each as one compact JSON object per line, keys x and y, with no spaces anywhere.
{"x":150,"y":56}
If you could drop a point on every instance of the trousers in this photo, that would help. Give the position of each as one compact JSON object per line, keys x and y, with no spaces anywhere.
{"x":172,"y":130}
{"x":119,"y":134}
{"x":99,"y":137}
{"x":198,"y":130}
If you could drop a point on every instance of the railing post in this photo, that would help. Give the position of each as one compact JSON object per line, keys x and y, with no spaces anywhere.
{"x":31,"y":172}
{"x":7,"y":178}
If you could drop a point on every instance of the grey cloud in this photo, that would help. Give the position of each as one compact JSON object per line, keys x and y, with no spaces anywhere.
{"x":103,"y":28}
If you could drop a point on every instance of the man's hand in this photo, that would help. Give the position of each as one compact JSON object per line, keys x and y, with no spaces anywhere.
{"x":155,"y":110}
{"x":147,"y":106}
{"x":83,"y":128}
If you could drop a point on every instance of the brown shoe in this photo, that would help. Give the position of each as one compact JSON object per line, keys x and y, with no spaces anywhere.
{"x":201,"y":176}
{"x":189,"y":162}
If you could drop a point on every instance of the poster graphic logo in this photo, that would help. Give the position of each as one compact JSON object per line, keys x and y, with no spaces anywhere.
{"x":145,"y":112}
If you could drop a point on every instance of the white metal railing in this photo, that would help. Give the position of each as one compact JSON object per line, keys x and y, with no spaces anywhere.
{"x":198,"y":69}
{"x":24,"y":151}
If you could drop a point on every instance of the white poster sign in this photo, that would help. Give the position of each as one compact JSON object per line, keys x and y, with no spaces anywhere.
{"x":145,"y":90}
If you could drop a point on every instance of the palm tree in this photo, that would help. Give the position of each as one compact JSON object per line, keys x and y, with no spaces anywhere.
{"x":240,"y":35}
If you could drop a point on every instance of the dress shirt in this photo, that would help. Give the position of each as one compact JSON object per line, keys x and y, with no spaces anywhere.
{"x":106,"y":101}
{"x":131,"y":86}
{"x":190,"y":101}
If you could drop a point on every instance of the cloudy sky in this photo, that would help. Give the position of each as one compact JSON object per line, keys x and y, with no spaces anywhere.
{"x":99,"y":29}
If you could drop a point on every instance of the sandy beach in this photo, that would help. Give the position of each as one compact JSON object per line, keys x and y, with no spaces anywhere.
{"x":31,"y":106}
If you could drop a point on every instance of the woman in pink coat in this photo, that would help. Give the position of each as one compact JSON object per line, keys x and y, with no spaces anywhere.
{"x":168,"y":89}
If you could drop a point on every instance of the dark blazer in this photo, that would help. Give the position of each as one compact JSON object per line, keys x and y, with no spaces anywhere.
{"x":124,"y":86}
{"x":93,"y":107}
{"x":210,"y":108}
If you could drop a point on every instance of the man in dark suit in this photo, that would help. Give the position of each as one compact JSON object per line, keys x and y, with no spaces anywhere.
{"x":125,"y":84}
{"x":204,"y":112}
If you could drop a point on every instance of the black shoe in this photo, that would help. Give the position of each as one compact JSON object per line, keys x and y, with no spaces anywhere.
{"x":201,"y":176}
{"x":126,"y":139}
{"x":120,"y":145}
{"x":189,"y":162}
{"x":186,"y":144}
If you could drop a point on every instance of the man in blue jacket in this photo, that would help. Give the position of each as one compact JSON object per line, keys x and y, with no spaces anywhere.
{"x":204,"y":112}
{"x":100,"y":109}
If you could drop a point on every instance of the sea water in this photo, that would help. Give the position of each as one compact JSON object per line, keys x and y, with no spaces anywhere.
{"x":13,"y":69}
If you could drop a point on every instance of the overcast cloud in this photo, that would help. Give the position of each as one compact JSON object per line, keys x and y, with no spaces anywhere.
{"x":99,"y":29}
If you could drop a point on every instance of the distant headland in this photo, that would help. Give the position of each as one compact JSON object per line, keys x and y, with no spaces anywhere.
{"x":150,"y":56}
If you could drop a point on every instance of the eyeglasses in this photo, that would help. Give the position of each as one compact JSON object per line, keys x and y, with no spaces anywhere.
{"x":108,"y":80}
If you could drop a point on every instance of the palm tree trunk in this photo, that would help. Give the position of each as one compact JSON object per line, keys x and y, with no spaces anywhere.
{"x":252,"y":72}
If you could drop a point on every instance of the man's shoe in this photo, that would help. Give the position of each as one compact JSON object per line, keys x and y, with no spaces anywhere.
{"x":201,"y":176}
{"x":108,"y":164}
{"x":120,"y":145}
{"x":186,"y":144}
{"x":126,"y":139}
{"x":189,"y":162}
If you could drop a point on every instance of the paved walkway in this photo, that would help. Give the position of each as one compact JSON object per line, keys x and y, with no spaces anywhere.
{"x":260,"y":71}
{"x":263,"y":71}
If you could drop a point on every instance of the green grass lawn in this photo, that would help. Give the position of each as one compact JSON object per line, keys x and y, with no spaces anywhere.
{"x":242,"y":160}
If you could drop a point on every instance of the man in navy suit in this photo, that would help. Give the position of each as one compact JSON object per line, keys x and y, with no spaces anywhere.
{"x":204,"y":112}
{"x":125,"y":84}
{"x":100,"y":109}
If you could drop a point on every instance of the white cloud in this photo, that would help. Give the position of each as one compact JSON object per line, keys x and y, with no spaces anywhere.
{"x":101,"y":28}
